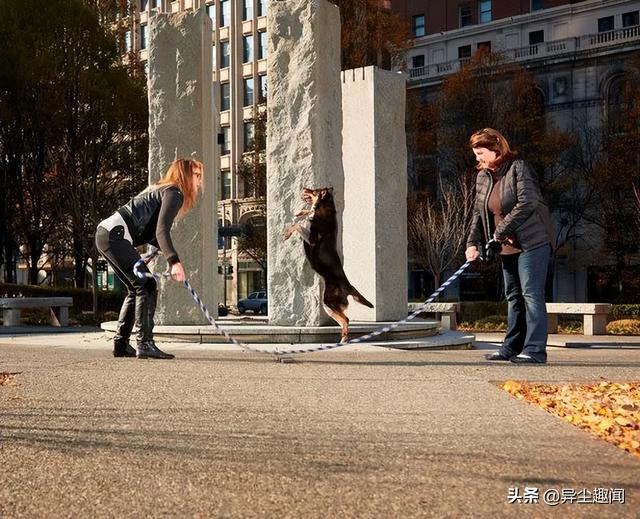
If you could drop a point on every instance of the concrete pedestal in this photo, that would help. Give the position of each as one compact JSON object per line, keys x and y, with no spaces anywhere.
{"x":374,"y":155}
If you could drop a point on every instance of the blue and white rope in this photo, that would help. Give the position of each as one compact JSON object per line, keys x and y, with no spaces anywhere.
{"x":322,"y":347}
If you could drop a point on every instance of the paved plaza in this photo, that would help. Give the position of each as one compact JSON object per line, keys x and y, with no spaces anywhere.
{"x":354,"y":432}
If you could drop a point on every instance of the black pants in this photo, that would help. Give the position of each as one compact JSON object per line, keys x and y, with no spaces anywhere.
{"x":122,"y":256}
{"x":140,"y":303}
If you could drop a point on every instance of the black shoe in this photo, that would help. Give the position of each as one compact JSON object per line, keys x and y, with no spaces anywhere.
{"x":525,"y":359}
{"x":496,"y":356}
{"x":148,"y":350}
{"x":125,"y":350}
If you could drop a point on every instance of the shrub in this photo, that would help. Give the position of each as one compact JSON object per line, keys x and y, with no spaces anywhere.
{"x":82,"y":297}
{"x":624,"y":327}
{"x":491,"y":323}
{"x":624,"y":312}
{"x":472,"y":311}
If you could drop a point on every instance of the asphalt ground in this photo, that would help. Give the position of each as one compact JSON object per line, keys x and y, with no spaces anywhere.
{"x":354,"y":432}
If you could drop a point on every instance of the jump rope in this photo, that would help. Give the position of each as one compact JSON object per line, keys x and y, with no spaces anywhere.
{"x":323,"y":347}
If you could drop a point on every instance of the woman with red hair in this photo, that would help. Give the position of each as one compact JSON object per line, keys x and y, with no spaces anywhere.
{"x":510,"y":210}
{"x":147,"y":219}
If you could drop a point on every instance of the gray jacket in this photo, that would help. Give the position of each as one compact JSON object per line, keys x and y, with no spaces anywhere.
{"x":527,"y":216}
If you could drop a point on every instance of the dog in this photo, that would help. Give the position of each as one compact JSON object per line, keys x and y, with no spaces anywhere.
{"x":319,"y":231}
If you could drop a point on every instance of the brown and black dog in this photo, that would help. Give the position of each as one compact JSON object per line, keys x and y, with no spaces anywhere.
{"x":320,"y":234}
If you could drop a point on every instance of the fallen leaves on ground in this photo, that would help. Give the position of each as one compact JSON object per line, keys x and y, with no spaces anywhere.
{"x":609,"y":410}
{"x":5,"y":378}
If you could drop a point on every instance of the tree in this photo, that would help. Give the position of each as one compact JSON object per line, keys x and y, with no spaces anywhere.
{"x":438,"y":228}
{"x":252,"y":167}
{"x":253,"y":242}
{"x":29,"y":108}
{"x":618,"y":172}
{"x":253,"y":171}
{"x":73,"y":123}
{"x":371,"y":35}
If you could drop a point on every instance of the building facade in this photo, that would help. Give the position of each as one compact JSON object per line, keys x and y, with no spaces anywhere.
{"x":239,"y":81}
{"x":577,"y":52}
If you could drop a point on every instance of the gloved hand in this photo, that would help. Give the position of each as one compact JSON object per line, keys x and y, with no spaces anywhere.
{"x":492,"y":249}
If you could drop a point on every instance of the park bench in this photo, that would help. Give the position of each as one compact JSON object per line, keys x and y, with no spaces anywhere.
{"x":594,"y":316}
{"x":12,"y":308}
{"x":447,"y":311}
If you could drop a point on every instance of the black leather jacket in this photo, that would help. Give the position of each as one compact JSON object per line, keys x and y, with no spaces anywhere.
{"x":527,"y":216}
{"x":149,"y":216}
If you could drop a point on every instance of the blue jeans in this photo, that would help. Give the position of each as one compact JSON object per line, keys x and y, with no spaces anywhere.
{"x":524,"y":282}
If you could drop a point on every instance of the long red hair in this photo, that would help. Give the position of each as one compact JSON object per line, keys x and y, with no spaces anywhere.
{"x":179,"y":174}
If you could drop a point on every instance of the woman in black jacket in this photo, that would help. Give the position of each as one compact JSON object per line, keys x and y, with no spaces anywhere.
{"x":147,"y":219}
{"x":510,"y":209}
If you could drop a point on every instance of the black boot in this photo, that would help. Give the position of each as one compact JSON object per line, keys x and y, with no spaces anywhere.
{"x":145,"y":310}
{"x":121,"y":346}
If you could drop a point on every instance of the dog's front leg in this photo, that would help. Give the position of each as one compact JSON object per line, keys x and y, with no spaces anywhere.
{"x":294,"y":228}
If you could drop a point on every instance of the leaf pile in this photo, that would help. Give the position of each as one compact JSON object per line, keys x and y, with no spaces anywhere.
{"x":5,"y":378}
{"x":609,"y":410}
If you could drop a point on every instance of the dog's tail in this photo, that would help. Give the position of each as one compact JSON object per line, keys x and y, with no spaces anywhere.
{"x":359,"y":297}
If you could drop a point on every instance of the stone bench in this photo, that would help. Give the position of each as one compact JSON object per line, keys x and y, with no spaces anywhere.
{"x":448,"y":313}
{"x":594,"y":316}
{"x":12,"y":308}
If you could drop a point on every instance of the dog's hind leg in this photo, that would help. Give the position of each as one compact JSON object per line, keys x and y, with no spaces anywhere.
{"x":339,"y":317}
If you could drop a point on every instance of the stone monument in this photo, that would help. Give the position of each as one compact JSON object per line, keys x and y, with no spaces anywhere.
{"x":304,"y":128}
{"x":374,"y":157}
{"x":181,"y":124}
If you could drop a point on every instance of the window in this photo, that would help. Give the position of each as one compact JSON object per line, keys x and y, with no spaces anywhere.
{"x":247,"y":49}
{"x":630,"y":19}
{"x":262,"y":50}
{"x":247,"y":10}
{"x":225,"y":58}
{"x":262,"y":81}
{"x":225,"y":13}
{"x":127,"y":41}
{"x":484,"y":46}
{"x":248,"y":91}
{"x":536,"y":5}
{"x":464,"y":52}
{"x":213,"y":56}
{"x":249,"y":133}
{"x":605,"y":24}
{"x":262,"y":7}
{"x":466,"y":16}
{"x":225,"y":184}
{"x":155,"y":4}
{"x":417,"y":61}
{"x":616,"y":108}
{"x":485,"y":11}
{"x":226,"y":140}
{"x":143,"y":36}
{"x":417,"y":25}
{"x":211,"y":12}
{"x":143,"y":5}
{"x":536,"y":37}
{"x":225,"y":96}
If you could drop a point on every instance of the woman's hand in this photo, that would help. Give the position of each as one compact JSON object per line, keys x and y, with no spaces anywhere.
{"x":472,"y":253}
{"x":177,"y":272}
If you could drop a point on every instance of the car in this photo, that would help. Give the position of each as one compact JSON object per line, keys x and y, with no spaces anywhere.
{"x":256,"y":302}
